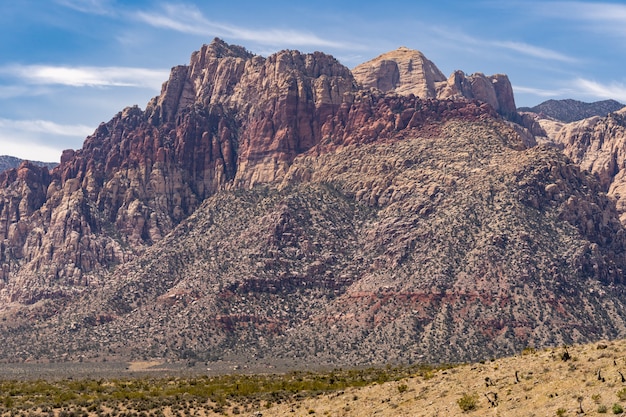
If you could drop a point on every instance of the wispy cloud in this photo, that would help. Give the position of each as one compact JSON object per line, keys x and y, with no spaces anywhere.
{"x":188,"y":19}
{"x":41,"y":140}
{"x":98,"y":7}
{"x":88,"y":76}
{"x":579,"y":87}
{"x":26,"y":149}
{"x":534,"y":51}
{"x":599,"y":16}
{"x":519,"y":89}
{"x":612,"y":90}
{"x":45,"y":126}
{"x":519,"y":47}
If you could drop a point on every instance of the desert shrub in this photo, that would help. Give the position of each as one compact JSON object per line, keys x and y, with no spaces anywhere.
{"x":468,"y":402}
{"x":622,"y":394}
{"x":602,"y":409}
{"x":402,"y":388}
{"x":617,"y":409}
{"x":561,"y":412}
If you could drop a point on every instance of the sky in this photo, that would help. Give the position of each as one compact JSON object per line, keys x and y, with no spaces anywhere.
{"x":68,"y":65}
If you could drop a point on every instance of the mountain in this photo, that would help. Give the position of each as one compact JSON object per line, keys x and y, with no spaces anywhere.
{"x":572,"y":110}
{"x":276,"y":210}
{"x":7,"y":162}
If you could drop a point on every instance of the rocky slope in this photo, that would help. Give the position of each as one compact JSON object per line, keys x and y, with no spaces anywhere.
{"x":273,"y":209}
{"x":596,"y":144}
{"x":569,"y":110}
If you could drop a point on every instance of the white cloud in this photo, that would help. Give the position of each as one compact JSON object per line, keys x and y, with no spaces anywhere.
{"x":188,"y":19}
{"x":539,"y":91}
{"x":39,"y":140}
{"x":45,"y":126}
{"x":521,"y":47}
{"x":88,"y":76}
{"x":98,"y":7}
{"x":534,"y":51}
{"x":580,"y":88}
{"x":613,"y":90}
{"x":30,"y":150}
{"x":601,"y":17}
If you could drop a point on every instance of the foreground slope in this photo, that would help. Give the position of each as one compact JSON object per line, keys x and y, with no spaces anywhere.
{"x":271,"y":210}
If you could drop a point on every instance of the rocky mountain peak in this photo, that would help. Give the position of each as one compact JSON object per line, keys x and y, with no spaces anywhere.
{"x":220,"y":49}
{"x":404,"y":71}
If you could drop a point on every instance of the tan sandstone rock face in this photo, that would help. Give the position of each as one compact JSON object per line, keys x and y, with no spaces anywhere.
{"x":404,"y":71}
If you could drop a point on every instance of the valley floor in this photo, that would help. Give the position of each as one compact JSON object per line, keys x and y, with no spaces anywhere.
{"x":578,"y":380}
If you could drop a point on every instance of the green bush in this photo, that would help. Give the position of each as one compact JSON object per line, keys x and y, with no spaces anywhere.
{"x":617,"y":409}
{"x":602,"y":409}
{"x":561,"y":412}
{"x":468,"y":402}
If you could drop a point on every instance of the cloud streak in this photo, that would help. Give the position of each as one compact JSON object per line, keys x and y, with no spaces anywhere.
{"x":580,"y":87}
{"x":612,"y":90}
{"x":45,"y":126}
{"x":190,"y":20}
{"x":41,"y":140}
{"x":601,"y":17}
{"x":98,"y":7}
{"x":534,"y":51}
{"x":515,"y":46}
{"x":88,"y":76}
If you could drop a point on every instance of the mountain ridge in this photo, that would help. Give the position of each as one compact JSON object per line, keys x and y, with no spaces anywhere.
{"x":569,"y":110}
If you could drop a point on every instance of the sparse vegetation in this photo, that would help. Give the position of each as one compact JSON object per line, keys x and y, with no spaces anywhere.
{"x":468,"y":402}
{"x":545,"y":387}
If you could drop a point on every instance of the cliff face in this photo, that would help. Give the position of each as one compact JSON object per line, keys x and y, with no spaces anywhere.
{"x":265,"y":206}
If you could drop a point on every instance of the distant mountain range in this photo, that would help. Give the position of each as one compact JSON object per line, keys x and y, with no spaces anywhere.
{"x":7,"y":162}
{"x":569,"y":110}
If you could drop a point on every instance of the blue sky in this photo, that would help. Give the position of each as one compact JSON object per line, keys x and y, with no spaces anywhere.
{"x":67,"y":65}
